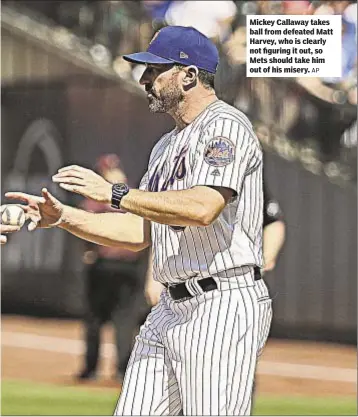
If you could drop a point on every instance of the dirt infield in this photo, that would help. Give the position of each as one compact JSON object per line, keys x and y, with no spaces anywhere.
{"x":47,"y":350}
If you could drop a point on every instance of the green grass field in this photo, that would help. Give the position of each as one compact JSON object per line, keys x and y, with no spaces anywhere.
{"x":20,"y":398}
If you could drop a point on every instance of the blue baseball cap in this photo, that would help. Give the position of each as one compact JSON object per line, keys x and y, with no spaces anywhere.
{"x":179,"y":44}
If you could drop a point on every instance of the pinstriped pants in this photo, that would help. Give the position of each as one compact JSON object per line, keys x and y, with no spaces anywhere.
{"x":198,"y":356}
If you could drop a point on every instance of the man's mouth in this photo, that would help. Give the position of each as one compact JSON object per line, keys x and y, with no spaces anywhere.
{"x":150,"y":93}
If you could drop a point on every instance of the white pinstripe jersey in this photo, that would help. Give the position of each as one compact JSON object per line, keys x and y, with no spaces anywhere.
{"x":219,"y":148}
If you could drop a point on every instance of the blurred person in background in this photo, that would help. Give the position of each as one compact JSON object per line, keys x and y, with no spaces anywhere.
{"x":128,"y":26}
{"x":156,"y":9}
{"x":329,"y":7}
{"x":349,"y":41}
{"x":115,"y":280}
{"x":297,"y":7}
{"x":6,"y":229}
{"x":234,"y":45}
{"x":212,"y":18}
{"x":322,"y":8}
{"x":337,"y":94}
{"x":350,"y":14}
{"x":118,"y":25}
{"x":273,"y":231}
{"x":270,"y":7}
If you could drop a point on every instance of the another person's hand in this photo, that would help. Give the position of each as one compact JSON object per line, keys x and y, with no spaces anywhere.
{"x":153,"y":290}
{"x":269,"y":265}
{"x":85,"y":182}
{"x":44,"y":212}
{"x":273,"y":240}
{"x":7,"y":229}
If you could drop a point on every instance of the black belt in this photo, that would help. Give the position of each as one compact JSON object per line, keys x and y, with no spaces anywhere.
{"x":179,"y":291}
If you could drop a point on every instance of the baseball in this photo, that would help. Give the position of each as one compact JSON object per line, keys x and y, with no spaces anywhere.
{"x":12,"y":215}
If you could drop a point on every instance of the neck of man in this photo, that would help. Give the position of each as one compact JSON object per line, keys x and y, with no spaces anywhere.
{"x":191,"y":107}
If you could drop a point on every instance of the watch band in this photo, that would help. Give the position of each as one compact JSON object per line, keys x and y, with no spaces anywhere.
{"x":118,"y":192}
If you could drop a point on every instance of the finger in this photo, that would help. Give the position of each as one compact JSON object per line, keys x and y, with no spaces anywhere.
{"x":3,"y":239}
{"x":72,"y":188}
{"x":69,"y":180}
{"x":69,"y":173}
{"x":74,"y":167}
{"x":48,"y":196}
{"x":26,"y":198}
{"x":27,"y":215}
{"x":8,"y":229}
{"x":34,"y":217}
{"x":35,"y":220}
{"x":32,"y":214}
{"x":32,"y":226}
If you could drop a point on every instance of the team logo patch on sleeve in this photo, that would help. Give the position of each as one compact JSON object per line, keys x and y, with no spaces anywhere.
{"x":219,"y":152}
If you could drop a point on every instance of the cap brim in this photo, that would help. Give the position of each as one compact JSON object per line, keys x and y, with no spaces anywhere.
{"x":146,"y":58}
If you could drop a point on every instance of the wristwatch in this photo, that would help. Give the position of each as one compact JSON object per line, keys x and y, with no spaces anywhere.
{"x":118,"y":192}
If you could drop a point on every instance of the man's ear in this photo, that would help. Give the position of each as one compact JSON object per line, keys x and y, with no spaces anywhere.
{"x":191,"y":76}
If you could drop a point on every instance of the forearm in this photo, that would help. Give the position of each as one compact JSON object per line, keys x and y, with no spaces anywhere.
{"x":273,"y":240}
{"x":176,"y":208}
{"x":149,"y":272}
{"x":109,"y":229}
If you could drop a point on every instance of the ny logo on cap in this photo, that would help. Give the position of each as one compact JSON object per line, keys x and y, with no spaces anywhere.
{"x":183,"y":55}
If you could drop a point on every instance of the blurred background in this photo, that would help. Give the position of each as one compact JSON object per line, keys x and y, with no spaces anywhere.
{"x":68,"y":97}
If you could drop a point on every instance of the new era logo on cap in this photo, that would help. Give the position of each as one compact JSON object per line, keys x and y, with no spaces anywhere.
{"x":183,"y":55}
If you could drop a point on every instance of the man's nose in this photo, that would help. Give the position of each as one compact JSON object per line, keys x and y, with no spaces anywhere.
{"x":144,"y":79}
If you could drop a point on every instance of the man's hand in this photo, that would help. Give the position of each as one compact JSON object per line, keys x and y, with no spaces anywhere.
{"x":153,"y":290}
{"x":85,"y":182}
{"x":269,"y":265}
{"x":44,"y":212}
{"x":273,"y":240}
{"x":7,"y":229}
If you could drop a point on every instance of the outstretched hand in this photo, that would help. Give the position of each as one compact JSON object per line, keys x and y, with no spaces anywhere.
{"x":85,"y":182}
{"x":43,"y":212}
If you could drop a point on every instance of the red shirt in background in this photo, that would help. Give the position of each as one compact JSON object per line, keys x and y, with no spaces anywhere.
{"x":295,"y":7}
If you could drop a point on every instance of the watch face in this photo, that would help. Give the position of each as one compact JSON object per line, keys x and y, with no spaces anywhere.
{"x":121,"y":187}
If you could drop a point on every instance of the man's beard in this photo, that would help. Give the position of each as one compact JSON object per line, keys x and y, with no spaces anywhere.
{"x":167,"y":101}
